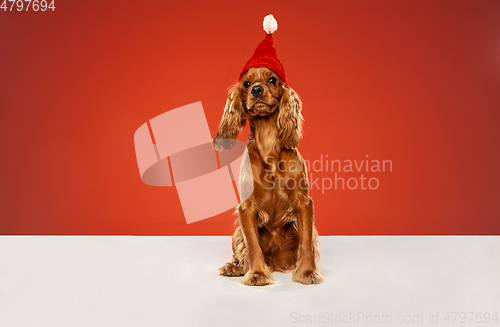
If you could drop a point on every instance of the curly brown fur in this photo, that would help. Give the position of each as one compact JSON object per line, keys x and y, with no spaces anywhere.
{"x":276,"y":223}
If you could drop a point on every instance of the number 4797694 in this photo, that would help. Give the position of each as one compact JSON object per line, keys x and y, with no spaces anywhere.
{"x":25,"y":5}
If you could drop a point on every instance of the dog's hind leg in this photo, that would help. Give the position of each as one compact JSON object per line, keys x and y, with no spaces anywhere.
{"x":236,"y":267}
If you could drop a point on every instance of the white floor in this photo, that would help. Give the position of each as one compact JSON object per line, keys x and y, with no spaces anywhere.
{"x":173,"y":281}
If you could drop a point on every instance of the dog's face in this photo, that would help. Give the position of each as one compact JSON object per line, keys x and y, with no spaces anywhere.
{"x":260,"y":91}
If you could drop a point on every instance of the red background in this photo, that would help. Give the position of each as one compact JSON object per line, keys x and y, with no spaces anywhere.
{"x":415,"y":82}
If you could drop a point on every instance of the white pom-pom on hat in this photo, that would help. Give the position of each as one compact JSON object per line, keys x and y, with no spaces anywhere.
{"x":270,"y":24}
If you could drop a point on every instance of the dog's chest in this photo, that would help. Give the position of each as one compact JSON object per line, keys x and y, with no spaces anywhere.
{"x":275,"y":175}
{"x":266,"y":141}
{"x":275,"y":191}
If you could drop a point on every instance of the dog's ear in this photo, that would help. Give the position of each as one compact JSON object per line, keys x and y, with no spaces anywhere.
{"x":289,"y":118}
{"x":232,"y":121}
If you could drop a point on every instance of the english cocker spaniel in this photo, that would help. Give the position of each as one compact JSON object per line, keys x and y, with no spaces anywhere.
{"x":276,"y":222}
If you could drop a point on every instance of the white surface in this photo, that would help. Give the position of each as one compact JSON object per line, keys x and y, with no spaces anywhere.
{"x":173,"y":281}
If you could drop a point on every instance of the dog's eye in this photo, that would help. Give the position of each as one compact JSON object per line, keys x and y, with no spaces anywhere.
{"x":246,"y":85}
{"x":273,"y":80}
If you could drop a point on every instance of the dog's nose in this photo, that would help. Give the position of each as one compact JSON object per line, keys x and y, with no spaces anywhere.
{"x":257,"y":91}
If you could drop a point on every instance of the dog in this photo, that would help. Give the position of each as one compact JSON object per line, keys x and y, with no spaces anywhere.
{"x":275,"y":229}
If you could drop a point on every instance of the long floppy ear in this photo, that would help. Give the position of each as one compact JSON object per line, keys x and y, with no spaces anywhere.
{"x":232,"y":121}
{"x":290,"y":118}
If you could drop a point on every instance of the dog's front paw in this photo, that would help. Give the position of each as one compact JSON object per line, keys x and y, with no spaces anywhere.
{"x":221,"y":144}
{"x":253,"y":278}
{"x":307,"y":276}
{"x":232,"y":269}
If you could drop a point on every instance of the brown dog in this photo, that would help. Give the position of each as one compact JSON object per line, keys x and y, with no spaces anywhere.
{"x":276,"y":222}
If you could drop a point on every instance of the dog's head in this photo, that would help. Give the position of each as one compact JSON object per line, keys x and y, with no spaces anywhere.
{"x":260,"y":93}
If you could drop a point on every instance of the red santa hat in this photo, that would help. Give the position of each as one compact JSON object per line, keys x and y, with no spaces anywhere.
{"x":265,"y":54}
